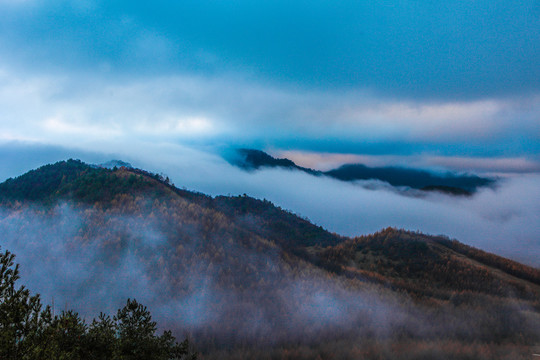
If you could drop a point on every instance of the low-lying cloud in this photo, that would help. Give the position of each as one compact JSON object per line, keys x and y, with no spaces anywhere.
{"x":504,"y":219}
{"x":96,"y":269}
{"x":76,"y":267}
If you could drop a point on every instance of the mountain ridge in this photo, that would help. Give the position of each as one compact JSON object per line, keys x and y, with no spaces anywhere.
{"x":253,"y":260}
{"x":449,"y":183}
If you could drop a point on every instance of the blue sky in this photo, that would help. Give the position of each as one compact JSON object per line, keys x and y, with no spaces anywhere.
{"x":394,"y":80}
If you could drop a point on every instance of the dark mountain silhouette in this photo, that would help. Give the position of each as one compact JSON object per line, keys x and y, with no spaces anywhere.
{"x":454,"y":184}
{"x":417,"y":179}
{"x":246,"y":279}
{"x":251,"y":159}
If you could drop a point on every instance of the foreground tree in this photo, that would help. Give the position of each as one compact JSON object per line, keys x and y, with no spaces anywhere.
{"x":19,"y":312}
{"x":28,"y":332}
{"x":137,"y":339}
{"x":101,"y":337}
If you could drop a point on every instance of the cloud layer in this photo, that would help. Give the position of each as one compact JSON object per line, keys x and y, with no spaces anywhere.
{"x":504,"y":220}
{"x":395,"y":78}
{"x":434,"y":50}
{"x":98,"y":113}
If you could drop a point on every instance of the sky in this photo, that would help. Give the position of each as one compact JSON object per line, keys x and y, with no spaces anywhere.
{"x":436,"y":78}
{"x":170,"y":84}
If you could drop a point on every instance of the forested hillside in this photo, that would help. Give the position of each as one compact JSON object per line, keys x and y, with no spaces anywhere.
{"x":246,"y":279}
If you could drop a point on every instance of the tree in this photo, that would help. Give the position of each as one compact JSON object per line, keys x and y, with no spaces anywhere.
{"x":28,"y":333}
{"x":19,"y":312}
{"x":60,"y":337}
{"x":135,"y":330}
{"x":137,"y":339}
{"x":101,"y":338}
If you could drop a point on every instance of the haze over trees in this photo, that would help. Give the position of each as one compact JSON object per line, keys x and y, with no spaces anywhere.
{"x":30,"y":331}
{"x":247,"y":279}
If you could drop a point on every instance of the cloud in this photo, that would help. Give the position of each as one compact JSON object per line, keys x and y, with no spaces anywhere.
{"x":498,"y":166}
{"x":84,"y":111}
{"x":97,"y":270}
{"x":467,"y":51}
{"x":492,"y":165}
{"x":503,"y":220}
{"x":75,"y":264}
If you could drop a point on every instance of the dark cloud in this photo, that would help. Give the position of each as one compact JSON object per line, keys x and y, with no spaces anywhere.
{"x":434,"y":49}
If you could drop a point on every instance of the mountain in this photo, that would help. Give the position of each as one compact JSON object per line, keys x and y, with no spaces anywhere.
{"x":251,"y":159}
{"x":417,"y":179}
{"x":115,"y":163}
{"x":246,"y":279}
{"x":454,"y":184}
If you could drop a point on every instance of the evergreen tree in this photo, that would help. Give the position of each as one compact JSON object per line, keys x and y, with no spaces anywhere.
{"x":28,"y":333}
{"x":101,"y":338}
{"x":19,"y":312}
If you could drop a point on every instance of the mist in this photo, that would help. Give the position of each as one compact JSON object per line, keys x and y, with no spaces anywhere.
{"x":80,"y":269}
{"x":504,"y":219}
{"x":91,"y":260}
{"x":76,"y":265}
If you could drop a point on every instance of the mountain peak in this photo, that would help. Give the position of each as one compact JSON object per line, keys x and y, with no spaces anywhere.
{"x":251,"y":159}
{"x":77,"y":181}
{"x":111,"y":164}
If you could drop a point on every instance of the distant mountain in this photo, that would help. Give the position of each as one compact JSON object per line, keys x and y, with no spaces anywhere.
{"x":454,"y":184}
{"x":247,"y":279}
{"x":251,"y":159}
{"x":416,"y":179}
{"x":115,"y":163}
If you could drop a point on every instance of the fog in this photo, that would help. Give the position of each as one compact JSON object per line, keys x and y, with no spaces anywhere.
{"x":72,"y":270}
{"x":280,"y":305}
{"x":88,"y":274}
{"x":504,"y":219}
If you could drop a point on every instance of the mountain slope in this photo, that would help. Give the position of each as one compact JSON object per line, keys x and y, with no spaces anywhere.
{"x":432,"y":265}
{"x":241,"y":274}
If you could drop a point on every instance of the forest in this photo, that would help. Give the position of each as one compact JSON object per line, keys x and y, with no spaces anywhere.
{"x":242,"y":278}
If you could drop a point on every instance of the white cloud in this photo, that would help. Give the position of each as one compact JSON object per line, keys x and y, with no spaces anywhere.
{"x":504,"y":220}
{"x":490,"y":166}
{"x":109,"y":113}
{"x":63,"y":127}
